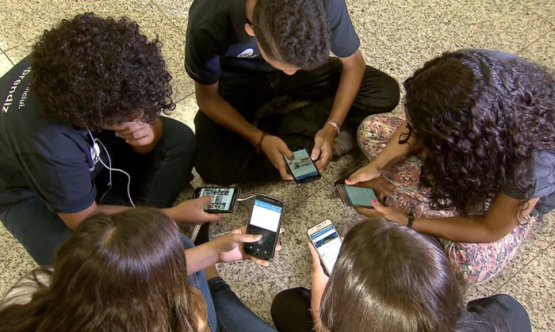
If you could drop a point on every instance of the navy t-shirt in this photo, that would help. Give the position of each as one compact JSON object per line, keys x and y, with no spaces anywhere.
{"x":38,"y":156}
{"x":217,"y":44}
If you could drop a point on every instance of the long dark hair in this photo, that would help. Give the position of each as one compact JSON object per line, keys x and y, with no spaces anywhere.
{"x":120,"y":272}
{"x":480,"y":117}
{"x":391,"y":278}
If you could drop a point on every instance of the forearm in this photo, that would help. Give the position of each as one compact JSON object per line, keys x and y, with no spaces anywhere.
{"x":200,"y":258}
{"x":72,"y":220}
{"x":349,"y":85}
{"x":157,"y":129}
{"x":316,"y":320}
{"x":458,"y":229}
{"x":221,"y":112}
{"x":393,"y":151}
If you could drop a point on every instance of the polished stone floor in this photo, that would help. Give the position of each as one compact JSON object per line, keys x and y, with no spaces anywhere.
{"x":397,"y":36}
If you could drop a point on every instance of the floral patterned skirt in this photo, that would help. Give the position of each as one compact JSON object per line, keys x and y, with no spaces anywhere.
{"x":473,"y":262}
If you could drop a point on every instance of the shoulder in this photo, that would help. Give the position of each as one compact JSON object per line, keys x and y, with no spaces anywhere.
{"x":208,"y":15}
{"x":501,"y":311}
{"x":540,"y":173}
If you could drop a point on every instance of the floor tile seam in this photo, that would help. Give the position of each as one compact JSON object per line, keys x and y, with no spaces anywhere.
{"x":518,"y":272}
{"x":385,"y":45}
{"x":182,"y":99}
{"x":546,"y":19}
{"x":23,"y":43}
{"x":536,"y":40}
{"x":301,"y":201}
{"x":166,"y":16}
{"x":8,"y":57}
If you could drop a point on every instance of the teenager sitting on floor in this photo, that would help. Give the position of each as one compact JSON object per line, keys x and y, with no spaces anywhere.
{"x":89,"y":97}
{"x":480,"y":126}
{"x":128,"y":272}
{"x":244,"y":53}
{"x":389,"y":278}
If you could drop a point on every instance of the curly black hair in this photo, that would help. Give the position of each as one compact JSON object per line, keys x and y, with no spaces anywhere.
{"x":480,"y":117}
{"x":296,"y":32}
{"x":92,"y":71}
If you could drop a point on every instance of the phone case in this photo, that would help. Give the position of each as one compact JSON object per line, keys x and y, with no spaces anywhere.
{"x":231,"y":210}
{"x":263,"y":249}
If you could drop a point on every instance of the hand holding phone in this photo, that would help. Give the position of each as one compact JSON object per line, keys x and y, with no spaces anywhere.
{"x":265,"y":220}
{"x":192,"y":211}
{"x":230,"y":247}
{"x":356,"y":196}
{"x":302,"y":167}
{"x":326,"y":242}
{"x":275,"y":148}
{"x":224,"y":199}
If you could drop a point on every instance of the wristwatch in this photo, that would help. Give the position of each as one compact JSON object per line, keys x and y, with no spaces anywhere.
{"x":411,"y":219}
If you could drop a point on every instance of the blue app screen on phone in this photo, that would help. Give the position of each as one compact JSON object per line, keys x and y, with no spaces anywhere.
{"x":360,"y":196}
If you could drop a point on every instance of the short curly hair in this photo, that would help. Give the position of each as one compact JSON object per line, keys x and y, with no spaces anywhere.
{"x":480,"y":117}
{"x":91,"y":71}
{"x":296,"y":32}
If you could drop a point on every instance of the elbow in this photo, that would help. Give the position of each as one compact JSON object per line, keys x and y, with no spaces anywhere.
{"x":494,"y":235}
{"x":204,"y":93}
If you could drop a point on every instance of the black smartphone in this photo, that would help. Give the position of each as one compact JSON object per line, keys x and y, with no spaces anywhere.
{"x":356,"y":196}
{"x":302,"y":168}
{"x":225,"y":199}
{"x":265,"y":220}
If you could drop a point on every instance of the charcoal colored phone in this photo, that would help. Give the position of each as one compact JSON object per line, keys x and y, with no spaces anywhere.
{"x":225,"y":199}
{"x":327,"y":243}
{"x":265,"y":220}
{"x":356,"y":196}
{"x":302,"y":168}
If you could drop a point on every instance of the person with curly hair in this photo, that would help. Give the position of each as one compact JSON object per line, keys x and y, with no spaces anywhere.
{"x":89,"y":98}
{"x":474,"y":162}
{"x":244,"y":53}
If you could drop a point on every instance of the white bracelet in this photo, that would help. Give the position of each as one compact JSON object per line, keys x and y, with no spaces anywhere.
{"x":335,"y":125}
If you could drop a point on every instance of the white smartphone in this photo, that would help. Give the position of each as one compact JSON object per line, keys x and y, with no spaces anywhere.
{"x":327,"y":242}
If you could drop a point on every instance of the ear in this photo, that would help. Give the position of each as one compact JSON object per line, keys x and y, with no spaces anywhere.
{"x":249,"y":29}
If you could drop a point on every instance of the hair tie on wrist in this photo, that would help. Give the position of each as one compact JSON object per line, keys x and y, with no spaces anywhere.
{"x":259,"y":145}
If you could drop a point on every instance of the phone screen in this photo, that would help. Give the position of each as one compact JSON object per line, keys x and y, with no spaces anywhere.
{"x":223,"y":198}
{"x":266,"y":215}
{"x":327,"y":244}
{"x":302,"y":167}
{"x":360,"y":196}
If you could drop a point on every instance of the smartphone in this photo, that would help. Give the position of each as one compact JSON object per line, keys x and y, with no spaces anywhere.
{"x":327,"y":243}
{"x":225,"y":199}
{"x":302,"y":168}
{"x":265,"y":220}
{"x":356,"y":196}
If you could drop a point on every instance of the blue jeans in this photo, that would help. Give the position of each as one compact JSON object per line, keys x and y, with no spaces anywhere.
{"x":226,"y":312}
{"x":157,"y":178}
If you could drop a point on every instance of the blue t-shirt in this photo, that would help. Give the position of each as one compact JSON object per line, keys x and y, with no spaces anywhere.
{"x":38,"y":156}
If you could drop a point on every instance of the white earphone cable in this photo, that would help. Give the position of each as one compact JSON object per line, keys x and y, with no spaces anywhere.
{"x":96,"y":141}
{"x":116,"y":170}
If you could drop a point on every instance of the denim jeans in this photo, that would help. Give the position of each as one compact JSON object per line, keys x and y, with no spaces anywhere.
{"x":198,"y":280}
{"x":157,"y":178}
{"x":226,"y":312}
{"x":233,"y":315}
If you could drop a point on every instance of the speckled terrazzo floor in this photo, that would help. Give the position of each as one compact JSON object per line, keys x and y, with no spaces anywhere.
{"x":397,"y":37}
